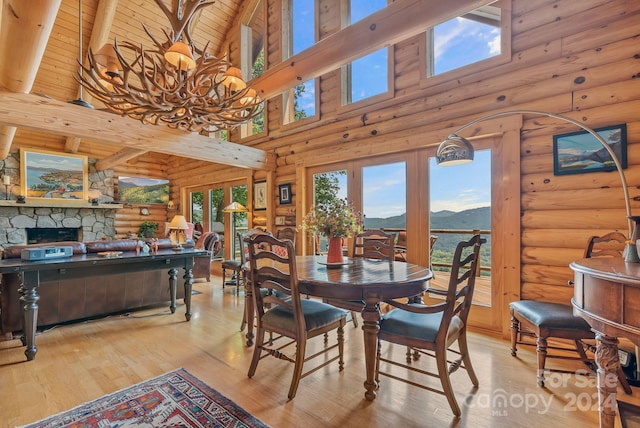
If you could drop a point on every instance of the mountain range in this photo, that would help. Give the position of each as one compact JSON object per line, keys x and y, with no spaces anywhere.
{"x":475,"y":218}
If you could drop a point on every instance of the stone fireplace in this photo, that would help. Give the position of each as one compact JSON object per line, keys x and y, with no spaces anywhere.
{"x":87,"y":224}
{"x":84,"y":221}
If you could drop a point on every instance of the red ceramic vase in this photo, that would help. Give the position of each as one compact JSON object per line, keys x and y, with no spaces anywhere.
{"x":335,"y":250}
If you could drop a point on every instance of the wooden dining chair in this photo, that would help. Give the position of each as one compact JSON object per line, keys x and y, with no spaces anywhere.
{"x":433,"y":329}
{"x":282,"y":311}
{"x":372,"y":244}
{"x":244,"y":264}
{"x":236,"y":265}
{"x":544,"y":320}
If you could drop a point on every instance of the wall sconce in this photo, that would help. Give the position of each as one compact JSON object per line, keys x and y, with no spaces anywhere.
{"x":171,"y":205}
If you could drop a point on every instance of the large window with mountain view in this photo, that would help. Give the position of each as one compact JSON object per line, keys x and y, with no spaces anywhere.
{"x":384,"y":196}
{"x":460,"y":203}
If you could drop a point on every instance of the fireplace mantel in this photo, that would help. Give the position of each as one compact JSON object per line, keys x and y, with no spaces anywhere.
{"x":62,"y":204}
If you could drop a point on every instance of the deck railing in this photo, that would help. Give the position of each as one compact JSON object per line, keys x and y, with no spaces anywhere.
{"x":438,"y":232}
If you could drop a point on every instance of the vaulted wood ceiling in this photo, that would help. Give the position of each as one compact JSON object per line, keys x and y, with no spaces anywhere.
{"x":39,"y":51}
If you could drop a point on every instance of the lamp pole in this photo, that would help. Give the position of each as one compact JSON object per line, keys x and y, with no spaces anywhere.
{"x":607,"y":147}
{"x":233,"y":208}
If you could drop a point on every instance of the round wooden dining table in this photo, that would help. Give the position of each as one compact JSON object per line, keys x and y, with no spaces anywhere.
{"x":372,"y":281}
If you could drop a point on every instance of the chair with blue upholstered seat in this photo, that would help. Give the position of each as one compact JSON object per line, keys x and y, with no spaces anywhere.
{"x":544,"y":320}
{"x":282,"y":311}
{"x":433,"y":329}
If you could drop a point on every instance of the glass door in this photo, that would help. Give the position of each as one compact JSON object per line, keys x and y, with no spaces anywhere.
{"x":384,"y":201}
{"x":327,"y":186}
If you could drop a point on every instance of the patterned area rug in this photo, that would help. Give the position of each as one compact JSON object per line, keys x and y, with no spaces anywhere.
{"x":175,"y":399}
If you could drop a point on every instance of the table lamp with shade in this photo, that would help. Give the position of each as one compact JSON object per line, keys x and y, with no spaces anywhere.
{"x":233,"y":208}
{"x":177,"y":229}
{"x":456,"y":150}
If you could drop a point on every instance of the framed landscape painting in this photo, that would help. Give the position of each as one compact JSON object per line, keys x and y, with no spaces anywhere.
{"x":580,"y":152}
{"x":143,"y":190}
{"x":53,"y":176}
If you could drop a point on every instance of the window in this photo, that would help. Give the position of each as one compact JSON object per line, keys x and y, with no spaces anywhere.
{"x":465,"y":40}
{"x":216,"y":198}
{"x":196,"y":207}
{"x":384,"y":196}
{"x":462,"y":204}
{"x":328,"y":186}
{"x":252,"y":58}
{"x":299,"y":102}
{"x":239,"y":221}
{"x":359,"y":9}
{"x":303,"y":34}
{"x":367,"y":76}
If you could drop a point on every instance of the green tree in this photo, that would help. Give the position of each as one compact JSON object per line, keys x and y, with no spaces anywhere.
{"x":326,"y":187}
{"x":239,"y":194}
{"x":297,"y":112}
{"x":196,"y":207}
{"x":257,"y":124}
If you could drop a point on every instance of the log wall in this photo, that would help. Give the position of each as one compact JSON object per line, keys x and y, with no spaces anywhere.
{"x":579,"y":59}
{"x":576,"y":58}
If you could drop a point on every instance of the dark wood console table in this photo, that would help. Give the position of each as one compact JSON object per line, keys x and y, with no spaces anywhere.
{"x":607,"y":296}
{"x":91,"y":264}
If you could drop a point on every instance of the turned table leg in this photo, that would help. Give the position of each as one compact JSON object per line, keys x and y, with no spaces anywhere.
{"x":29,"y":298}
{"x":188,"y":286}
{"x":608,"y":364}
{"x":173,"y":280}
{"x":370,"y":327}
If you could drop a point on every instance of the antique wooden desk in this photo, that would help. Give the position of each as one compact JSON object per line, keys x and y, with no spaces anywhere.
{"x":91,"y":265}
{"x":371,"y":281}
{"x":607,"y":296}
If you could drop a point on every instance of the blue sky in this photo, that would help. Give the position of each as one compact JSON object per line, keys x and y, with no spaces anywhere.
{"x":456,"y":43}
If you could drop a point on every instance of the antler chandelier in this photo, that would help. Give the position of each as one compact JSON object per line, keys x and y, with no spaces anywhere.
{"x":168,"y":85}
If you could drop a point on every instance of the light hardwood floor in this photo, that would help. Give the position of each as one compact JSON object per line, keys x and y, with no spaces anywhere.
{"x":81,"y":362}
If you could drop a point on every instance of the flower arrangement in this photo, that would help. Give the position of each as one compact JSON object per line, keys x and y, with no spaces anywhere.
{"x":338,"y":219}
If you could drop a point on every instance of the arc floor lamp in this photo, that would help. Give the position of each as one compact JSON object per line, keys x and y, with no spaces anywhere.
{"x":455,"y":150}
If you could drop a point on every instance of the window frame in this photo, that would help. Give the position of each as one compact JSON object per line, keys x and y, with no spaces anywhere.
{"x":425,"y":55}
{"x":246,"y":66}
{"x":287,"y":52}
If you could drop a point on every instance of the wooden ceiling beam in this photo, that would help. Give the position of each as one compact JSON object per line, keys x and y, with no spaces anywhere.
{"x":121,"y":157}
{"x":26,"y":27}
{"x":56,"y":117}
{"x":396,"y":22}
{"x":105,"y":14}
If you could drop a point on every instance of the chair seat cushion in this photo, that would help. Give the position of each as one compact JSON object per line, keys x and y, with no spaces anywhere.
{"x":316,"y":315}
{"x":548,"y":315}
{"x":231,"y":264}
{"x":424,"y":327}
